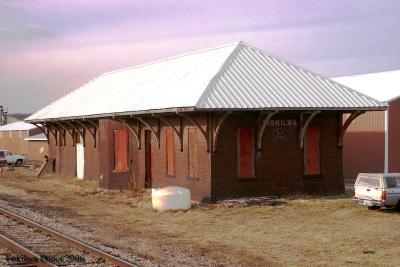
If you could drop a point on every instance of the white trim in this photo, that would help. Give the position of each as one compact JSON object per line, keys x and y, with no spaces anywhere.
{"x":386,"y":160}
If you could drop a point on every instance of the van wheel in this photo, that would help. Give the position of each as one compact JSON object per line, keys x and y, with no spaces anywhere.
{"x":373,"y":207}
{"x":19,"y":162}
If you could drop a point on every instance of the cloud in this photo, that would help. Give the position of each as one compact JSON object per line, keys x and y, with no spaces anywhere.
{"x":28,"y":32}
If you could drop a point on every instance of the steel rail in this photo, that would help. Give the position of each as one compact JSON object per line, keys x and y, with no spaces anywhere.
{"x":36,"y":260}
{"x":68,"y":240}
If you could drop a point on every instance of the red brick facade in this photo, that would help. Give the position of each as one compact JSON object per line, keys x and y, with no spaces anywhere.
{"x":279,"y":167}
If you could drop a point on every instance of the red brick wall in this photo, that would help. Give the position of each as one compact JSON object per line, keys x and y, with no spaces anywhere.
{"x":280,"y":165}
{"x":200,"y":188}
{"x":65,"y":158}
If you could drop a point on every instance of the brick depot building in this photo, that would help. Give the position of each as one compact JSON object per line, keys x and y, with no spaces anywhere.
{"x":225,"y":122}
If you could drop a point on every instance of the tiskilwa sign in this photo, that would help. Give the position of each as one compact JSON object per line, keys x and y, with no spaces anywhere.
{"x":282,"y":123}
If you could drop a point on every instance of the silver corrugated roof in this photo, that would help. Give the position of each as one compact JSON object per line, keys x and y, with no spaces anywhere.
{"x":234,"y":76}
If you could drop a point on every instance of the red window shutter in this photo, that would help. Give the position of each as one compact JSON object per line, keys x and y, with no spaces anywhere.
{"x":170,"y":151}
{"x":246,"y":152}
{"x":121,"y":150}
{"x":192,"y":153}
{"x":312,"y":151}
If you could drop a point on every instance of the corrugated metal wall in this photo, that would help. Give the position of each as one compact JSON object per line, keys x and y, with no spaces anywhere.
{"x":364,"y":145}
{"x":394,"y":136}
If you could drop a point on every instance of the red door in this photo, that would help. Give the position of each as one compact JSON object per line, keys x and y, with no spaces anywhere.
{"x":312,"y":151}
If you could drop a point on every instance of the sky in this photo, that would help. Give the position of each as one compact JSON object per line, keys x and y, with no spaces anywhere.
{"x":49,"y":48}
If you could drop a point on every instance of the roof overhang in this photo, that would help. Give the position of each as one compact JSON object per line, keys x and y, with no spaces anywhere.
{"x":194,"y":109}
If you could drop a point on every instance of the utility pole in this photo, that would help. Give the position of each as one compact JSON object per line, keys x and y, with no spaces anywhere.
{"x":3,"y":115}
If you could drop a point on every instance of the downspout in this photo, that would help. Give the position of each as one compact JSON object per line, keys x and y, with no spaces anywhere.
{"x":386,"y":163}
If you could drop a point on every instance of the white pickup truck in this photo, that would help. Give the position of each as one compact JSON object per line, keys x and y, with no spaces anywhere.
{"x":9,"y":158}
{"x":376,"y":190}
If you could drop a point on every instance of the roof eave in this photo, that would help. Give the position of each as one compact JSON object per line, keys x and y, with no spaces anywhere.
{"x":192,"y":109}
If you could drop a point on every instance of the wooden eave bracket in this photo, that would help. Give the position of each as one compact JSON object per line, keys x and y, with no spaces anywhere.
{"x":53,"y":131}
{"x":156,"y":133}
{"x":70,"y":131}
{"x":81,"y":132}
{"x":218,"y":130}
{"x":136,"y":131}
{"x":261,"y":130}
{"x":178,"y":131}
{"x":305,"y":126}
{"x":43,"y":129}
{"x":347,"y":123}
{"x":61,"y":131}
{"x":93,"y":132}
{"x":203,"y":132}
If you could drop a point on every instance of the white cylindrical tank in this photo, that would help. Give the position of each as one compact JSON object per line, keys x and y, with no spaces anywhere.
{"x":171,"y":198}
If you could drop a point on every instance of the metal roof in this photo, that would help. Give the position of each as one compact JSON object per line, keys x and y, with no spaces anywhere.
{"x":38,"y":137}
{"x":384,"y":86}
{"x":234,"y":76}
{"x":17,"y":126}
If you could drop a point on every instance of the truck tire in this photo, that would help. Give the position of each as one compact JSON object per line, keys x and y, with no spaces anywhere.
{"x":19,"y":161}
{"x":373,"y":207}
{"x":398,"y":206}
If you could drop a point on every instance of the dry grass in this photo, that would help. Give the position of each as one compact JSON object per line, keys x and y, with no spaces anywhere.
{"x":306,"y":231}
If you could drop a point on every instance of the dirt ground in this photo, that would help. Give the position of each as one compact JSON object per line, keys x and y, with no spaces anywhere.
{"x":331,"y":231}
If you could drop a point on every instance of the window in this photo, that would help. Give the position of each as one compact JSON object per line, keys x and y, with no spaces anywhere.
{"x":245,"y":144}
{"x":391,"y":182}
{"x":77,"y":138}
{"x":311,"y":151}
{"x":192,"y":153}
{"x":170,"y":152}
{"x":121,"y":150}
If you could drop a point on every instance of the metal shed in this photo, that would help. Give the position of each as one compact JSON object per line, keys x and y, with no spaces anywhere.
{"x":372,"y":142}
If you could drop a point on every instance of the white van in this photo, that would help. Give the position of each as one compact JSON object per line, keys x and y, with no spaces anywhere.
{"x":376,"y":190}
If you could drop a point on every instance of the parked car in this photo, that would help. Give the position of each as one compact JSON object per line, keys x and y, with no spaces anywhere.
{"x":10,"y":158}
{"x":376,"y":190}
{"x":3,"y":160}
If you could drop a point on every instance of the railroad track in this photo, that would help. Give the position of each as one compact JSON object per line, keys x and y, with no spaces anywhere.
{"x":37,"y":245}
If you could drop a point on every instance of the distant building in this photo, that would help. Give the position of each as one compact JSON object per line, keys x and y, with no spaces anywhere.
{"x":11,"y":119}
{"x":13,"y":137}
{"x":372,"y":142}
{"x":37,"y":147}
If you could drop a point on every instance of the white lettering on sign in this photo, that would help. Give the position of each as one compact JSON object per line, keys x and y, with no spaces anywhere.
{"x":282,"y":123}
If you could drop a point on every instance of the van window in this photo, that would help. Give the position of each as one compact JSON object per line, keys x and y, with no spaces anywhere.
{"x":392,"y":182}
{"x":369,"y":181}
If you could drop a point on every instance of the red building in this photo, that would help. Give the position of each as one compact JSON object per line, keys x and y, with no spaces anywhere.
{"x":224,"y":122}
{"x":372,"y":142}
